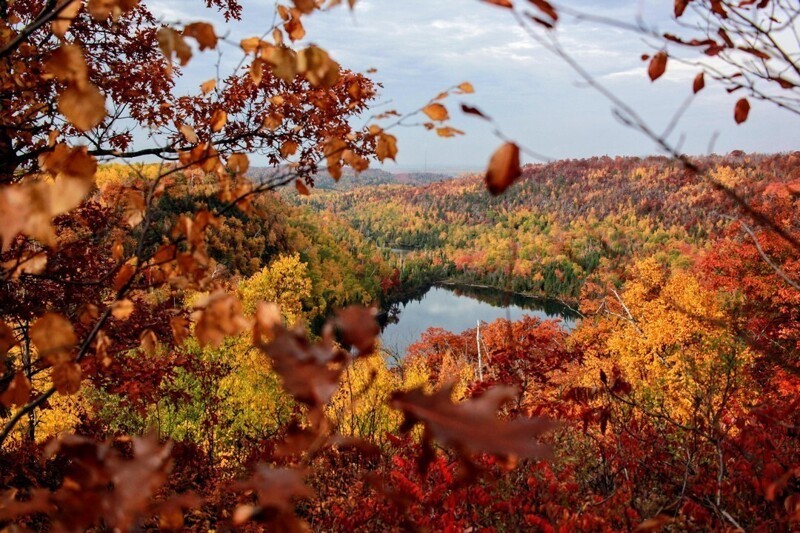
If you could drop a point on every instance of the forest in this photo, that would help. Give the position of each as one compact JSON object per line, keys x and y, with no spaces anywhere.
{"x":190,"y":320}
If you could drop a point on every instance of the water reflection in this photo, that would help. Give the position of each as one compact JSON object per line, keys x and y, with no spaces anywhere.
{"x":457,"y":308}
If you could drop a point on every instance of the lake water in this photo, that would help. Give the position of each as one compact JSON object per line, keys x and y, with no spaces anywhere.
{"x":459,"y":308}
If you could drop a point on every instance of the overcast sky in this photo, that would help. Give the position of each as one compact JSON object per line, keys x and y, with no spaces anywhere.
{"x":423,"y":46}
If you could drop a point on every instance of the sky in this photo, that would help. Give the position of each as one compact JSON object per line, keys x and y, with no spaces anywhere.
{"x":420,"y":47}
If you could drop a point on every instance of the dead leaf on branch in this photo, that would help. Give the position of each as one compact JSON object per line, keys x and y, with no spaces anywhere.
{"x":276,"y":491}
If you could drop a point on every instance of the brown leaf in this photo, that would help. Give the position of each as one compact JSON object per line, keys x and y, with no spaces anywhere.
{"x":172,"y":45}
{"x":65,"y":17}
{"x":218,"y":120}
{"x":83,"y":108}
{"x":741,"y":110}
{"x":358,"y":327}
{"x":473,"y":111}
{"x":473,"y":425}
{"x":53,"y":336}
{"x":546,"y":7}
{"x":148,"y":342}
{"x":680,"y":7}
{"x":203,"y":32}
{"x":504,"y":168}
{"x":288,"y":148}
{"x":309,"y":372}
{"x":220,"y":316}
{"x":18,"y":391}
{"x":189,"y":134}
{"x":436,"y":112}
{"x":67,"y":378}
{"x":7,"y":341}
{"x":699,"y":83}
{"x":305,"y":6}
{"x":180,"y":328}
{"x":276,"y":491}
{"x":238,"y":163}
{"x":301,"y":187}
{"x":386,"y":147}
{"x":658,"y":65}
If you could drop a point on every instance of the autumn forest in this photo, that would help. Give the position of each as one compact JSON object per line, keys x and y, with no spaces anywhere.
{"x":194,"y":282}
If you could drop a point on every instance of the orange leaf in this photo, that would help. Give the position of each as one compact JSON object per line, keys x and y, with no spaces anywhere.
{"x":203,"y":32}
{"x":218,"y":120}
{"x":301,"y":187}
{"x":208,"y":86}
{"x":501,"y":3}
{"x":436,"y":112}
{"x":53,"y":336}
{"x":504,"y":168}
{"x":658,"y":65}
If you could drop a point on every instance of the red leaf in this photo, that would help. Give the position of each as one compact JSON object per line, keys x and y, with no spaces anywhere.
{"x":741,"y":110}
{"x":699,"y":83}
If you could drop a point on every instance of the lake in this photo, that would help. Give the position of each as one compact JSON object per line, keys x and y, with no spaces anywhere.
{"x":458,"y":308}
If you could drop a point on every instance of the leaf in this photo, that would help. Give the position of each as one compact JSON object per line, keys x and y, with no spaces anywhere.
{"x":305,"y":6}
{"x":203,"y":33}
{"x":504,"y":168}
{"x":546,"y":7}
{"x":448,"y":132}
{"x":7,"y":341}
{"x":189,"y":134}
{"x":358,"y":327}
{"x":238,"y":163}
{"x":276,"y":491}
{"x":658,"y":65}
{"x":219,"y":316}
{"x":218,"y":120}
{"x":500,"y":3}
{"x":67,"y":378}
{"x":301,"y":187}
{"x":122,"y":309}
{"x":65,"y":17}
{"x":257,"y":71}
{"x":83,"y":108}
{"x":18,"y":391}
{"x":473,"y":111}
{"x":680,"y":7}
{"x":67,"y":64}
{"x":172,"y":45}
{"x":699,"y":83}
{"x":318,"y":67}
{"x":208,"y":86}
{"x":741,"y":110}
{"x":436,"y":112}
{"x":288,"y":148}
{"x":473,"y":425}
{"x":466,"y":88}
{"x":53,"y":336}
{"x":386,"y":147}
